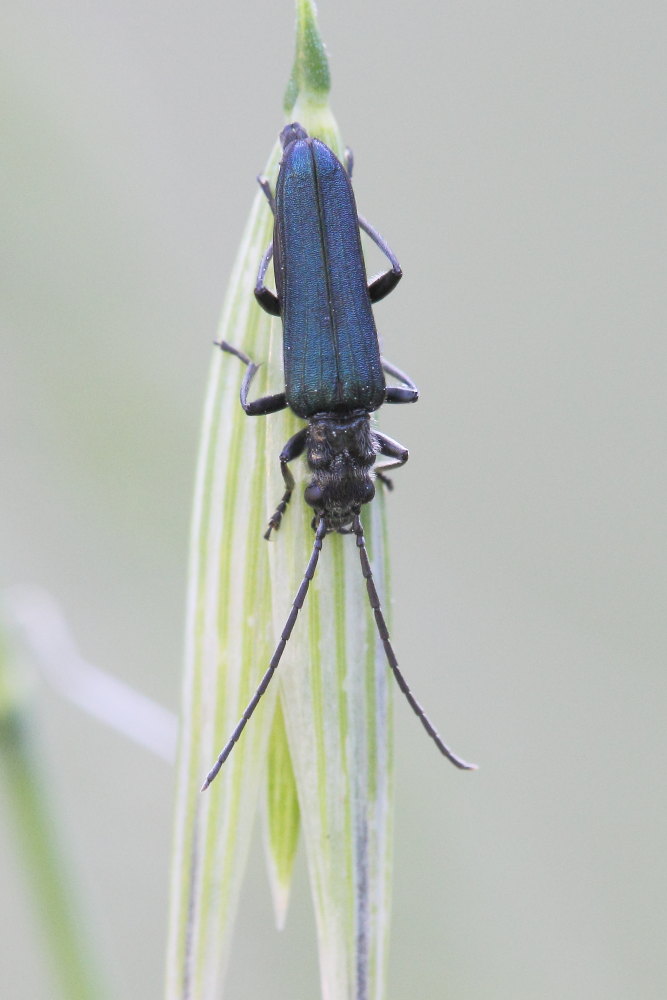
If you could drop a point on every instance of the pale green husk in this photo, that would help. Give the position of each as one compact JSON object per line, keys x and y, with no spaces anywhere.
{"x":333,"y":680}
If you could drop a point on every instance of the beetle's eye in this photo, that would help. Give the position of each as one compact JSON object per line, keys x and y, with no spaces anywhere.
{"x":313,"y":495}
{"x":368,"y":491}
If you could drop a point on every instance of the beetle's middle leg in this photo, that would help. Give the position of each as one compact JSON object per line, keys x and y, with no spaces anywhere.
{"x":407,"y":392}
{"x":256,"y":407}
{"x":294,"y":447}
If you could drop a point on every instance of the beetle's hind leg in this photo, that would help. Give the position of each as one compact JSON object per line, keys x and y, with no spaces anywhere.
{"x":265,"y":185}
{"x":267,"y":299}
{"x":384,"y":283}
{"x":294,"y":447}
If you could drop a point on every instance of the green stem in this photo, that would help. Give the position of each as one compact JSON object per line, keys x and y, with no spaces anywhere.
{"x":335,"y":755}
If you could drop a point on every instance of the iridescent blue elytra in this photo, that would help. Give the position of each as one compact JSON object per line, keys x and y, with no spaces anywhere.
{"x":334,"y":373}
{"x":330,"y":344}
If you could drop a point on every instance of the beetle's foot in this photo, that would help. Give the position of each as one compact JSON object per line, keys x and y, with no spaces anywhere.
{"x":277,"y":516}
{"x":274,"y":524}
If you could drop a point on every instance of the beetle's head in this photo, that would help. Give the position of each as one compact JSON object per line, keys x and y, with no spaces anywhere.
{"x":341,"y":453}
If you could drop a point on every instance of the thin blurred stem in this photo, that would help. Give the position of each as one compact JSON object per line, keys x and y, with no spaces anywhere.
{"x":35,"y":824}
{"x":44,"y":632}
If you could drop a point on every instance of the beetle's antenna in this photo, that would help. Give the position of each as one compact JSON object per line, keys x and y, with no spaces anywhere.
{"x":297,"y":604}
{"x":391,"y":656}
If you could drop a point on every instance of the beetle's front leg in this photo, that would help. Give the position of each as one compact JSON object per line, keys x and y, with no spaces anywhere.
{"x":392,"y":449}
{"x":294,"y":447}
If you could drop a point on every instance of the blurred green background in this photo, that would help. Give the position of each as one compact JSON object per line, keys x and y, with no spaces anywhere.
{"x":514,"y":157}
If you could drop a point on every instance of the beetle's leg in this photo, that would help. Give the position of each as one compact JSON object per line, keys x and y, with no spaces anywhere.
{"x":386,"y":282}
{"x":294,"y":447}
{"x":383,"y":283}
{"x":392,"y":449}
{"x":267,"y":299}
{"x":258,"y":407}
{"x":268,"y":193}
{"x":385,"y":480}
{"x":395,"y":393}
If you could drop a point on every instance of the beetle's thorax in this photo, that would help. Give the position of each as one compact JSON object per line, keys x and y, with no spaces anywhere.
{"x":340,"y":450}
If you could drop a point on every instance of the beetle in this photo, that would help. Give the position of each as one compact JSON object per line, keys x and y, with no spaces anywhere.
{"x":334,"y":372}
